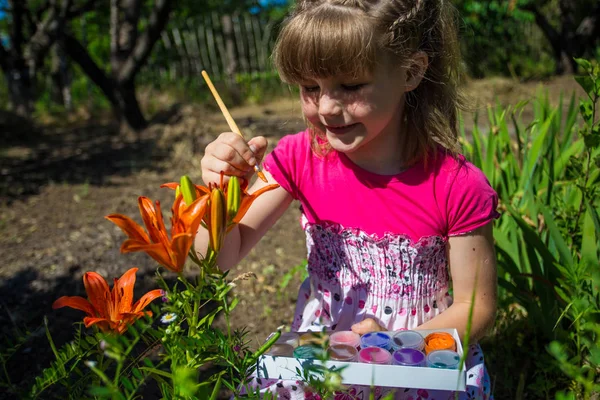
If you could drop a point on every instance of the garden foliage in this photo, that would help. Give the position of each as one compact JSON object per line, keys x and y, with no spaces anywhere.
{"x":547,"y":176}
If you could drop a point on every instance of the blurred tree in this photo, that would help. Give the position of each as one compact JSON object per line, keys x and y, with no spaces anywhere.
{"x":29,"y":29}
{"x":490,"y":28}
{"x":572,"y":27}
{"x":135,"y":26}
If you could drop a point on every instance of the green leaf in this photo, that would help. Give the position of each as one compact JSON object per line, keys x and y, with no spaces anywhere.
{"x":564,"y":160}
{"x":477,"y":144}
{"x":595,"y":356}
{"x":157,"y":372}
{"x":185,"y":381}
{"x":586,"y":109}
{"x":100,"y":391}
{"x":515,"y":291}
{"x":217,"y":387}
{"x":595,"y":218}
{"x":563,"y":250}
{"x":136,"y":372}
{"x":534,"y":154}
{"x":584,"y":64}
{"x":592,"y":140}
{"x":532,"y":239}
{"x":587,"y":83}
{"x":126,"y":382}
{"x":208,"y":319}
{"x":589,"y":242}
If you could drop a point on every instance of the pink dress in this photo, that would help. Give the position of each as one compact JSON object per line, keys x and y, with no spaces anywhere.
{"x":377,"y":247}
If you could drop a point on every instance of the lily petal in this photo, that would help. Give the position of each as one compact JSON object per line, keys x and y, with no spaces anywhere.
{"x":193,"y":214}
{"x":76,"y":302}
{"x":103,"y":323}
{"x":181,"y":246}
{"x":124,"y":290}
{"x":152,"y":217}
{"x":170,"y":185}
{"x":248,"y":199}
{"x":132,"y":245}
{"x":97,"y":291}
{"x":157,"y":251}
{"x":202,"y":190}
{"x":145,"y":300}
{"x":129,"y":226}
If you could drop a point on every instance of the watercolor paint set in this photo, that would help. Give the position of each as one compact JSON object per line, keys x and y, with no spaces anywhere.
{"x":427,"y":359}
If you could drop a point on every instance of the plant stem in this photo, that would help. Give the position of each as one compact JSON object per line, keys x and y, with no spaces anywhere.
{"x":589,"y":161}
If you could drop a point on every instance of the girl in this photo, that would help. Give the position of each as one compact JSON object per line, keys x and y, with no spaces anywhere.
{"x":391,"y":211}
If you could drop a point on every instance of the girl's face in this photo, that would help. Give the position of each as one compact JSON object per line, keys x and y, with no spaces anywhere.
{"x":360,"y":116}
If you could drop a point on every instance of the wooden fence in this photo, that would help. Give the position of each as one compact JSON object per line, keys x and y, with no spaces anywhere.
{"x":223,"y":45}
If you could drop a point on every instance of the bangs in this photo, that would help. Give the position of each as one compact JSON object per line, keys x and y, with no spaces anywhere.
{"x":326,"y":41}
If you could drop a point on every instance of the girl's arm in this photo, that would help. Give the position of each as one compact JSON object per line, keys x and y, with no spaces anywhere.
{"x":261,"y":215}
{"x":231,"y":155}
{"x":473,"y":268}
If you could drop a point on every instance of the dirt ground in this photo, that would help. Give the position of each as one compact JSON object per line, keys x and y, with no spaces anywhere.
{"x":60,"y":177}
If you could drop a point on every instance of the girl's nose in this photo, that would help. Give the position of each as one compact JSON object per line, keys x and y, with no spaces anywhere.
{"x":329,"y":106}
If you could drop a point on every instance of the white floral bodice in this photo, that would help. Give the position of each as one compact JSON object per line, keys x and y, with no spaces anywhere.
{"x":354,"y":275}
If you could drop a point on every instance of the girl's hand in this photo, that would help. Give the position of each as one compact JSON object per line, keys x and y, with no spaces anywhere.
{"x":230,"y":154}
{"x":366,"y":326}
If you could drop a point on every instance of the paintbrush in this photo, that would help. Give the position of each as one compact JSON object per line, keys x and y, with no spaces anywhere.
{"x":232,"y":125}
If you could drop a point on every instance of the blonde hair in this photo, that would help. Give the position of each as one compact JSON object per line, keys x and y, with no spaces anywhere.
{"x":324,"y":38}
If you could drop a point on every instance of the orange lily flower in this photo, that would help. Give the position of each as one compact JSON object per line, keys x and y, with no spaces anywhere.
{"x":169,"y":252}
{"x":111,"y":311}
{"x":245,"y":203}
{"x":246,"y":200}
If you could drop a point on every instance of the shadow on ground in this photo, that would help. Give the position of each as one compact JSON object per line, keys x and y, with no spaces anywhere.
{"x":82,"y":153}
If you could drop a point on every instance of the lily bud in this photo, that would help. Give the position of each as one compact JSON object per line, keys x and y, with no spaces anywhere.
{"x":218,"y":219}
{"x":187,"y":189}
{"x":234,"y":198}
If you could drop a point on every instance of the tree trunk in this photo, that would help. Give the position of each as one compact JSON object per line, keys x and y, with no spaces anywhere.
{"x":20,"y":91}
{"x":61,"y":77}
{"x":562,"y":53}
{"x":574,"y":37}
{"x":129,"y":107}
{"x":121,"y":96}
{"x":231,"y":67}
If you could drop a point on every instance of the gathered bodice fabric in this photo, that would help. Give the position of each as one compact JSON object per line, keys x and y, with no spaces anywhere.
{"x":354,"y":275}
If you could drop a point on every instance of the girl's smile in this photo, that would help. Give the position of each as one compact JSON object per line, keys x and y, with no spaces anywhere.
{"x":340,"y":130}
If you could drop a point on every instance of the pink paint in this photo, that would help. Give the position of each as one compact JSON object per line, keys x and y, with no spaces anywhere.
{"x":345,"y":337}
{"x":374,"y":355}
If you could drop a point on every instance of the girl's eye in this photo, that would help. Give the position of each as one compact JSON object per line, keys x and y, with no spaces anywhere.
{"x":353,"y":88}
{"x":310,"y":89}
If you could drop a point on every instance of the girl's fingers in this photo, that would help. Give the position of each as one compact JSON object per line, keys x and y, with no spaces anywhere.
{"x":230,"y":154}
{"x":216,"y":166}
{"x":258,"y":145}
{"x":234,"y":149}
{"x":366,"y":326}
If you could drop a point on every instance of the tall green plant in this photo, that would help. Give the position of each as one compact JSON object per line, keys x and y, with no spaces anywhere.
{"x":579,"y":357}
{"x":546,"y":174}
{"x":524,"y":163}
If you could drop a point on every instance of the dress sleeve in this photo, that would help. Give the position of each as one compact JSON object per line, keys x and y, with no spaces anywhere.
{"x":472,"y":202}
{"x":286,"y":162}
